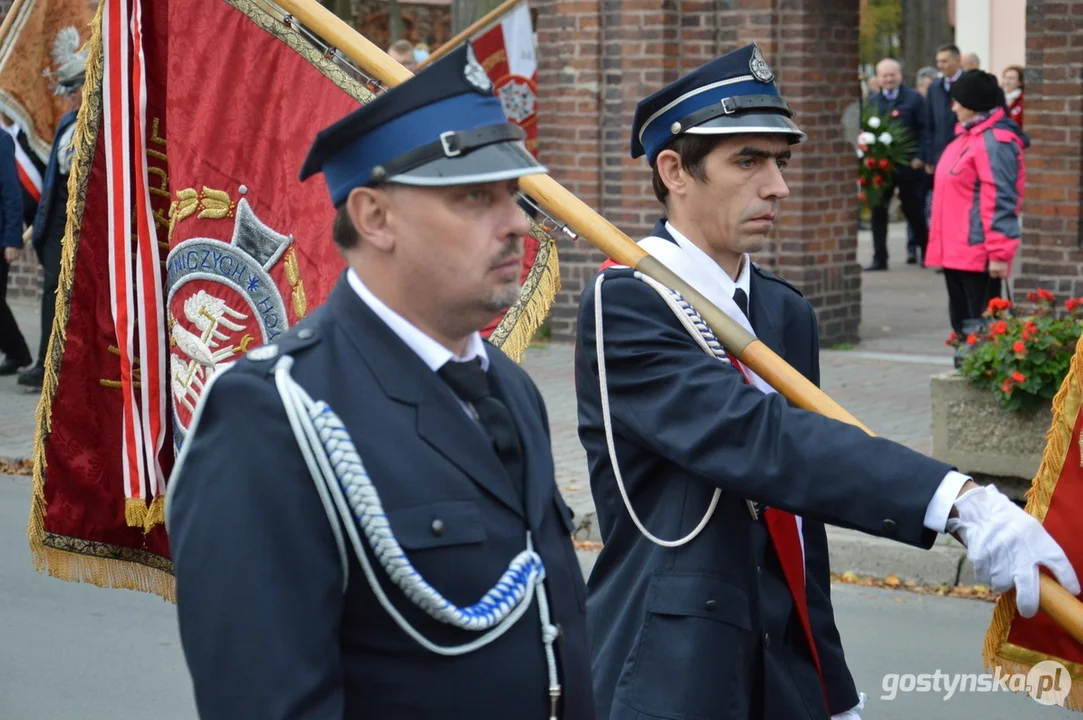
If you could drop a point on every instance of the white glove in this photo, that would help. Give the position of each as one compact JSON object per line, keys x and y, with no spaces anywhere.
{"x":853,"y":713}
{"x":1006,"y":546}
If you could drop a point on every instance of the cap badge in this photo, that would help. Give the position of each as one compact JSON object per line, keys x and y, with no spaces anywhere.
{"x":475,"y":74}
{"x":758,"y":66}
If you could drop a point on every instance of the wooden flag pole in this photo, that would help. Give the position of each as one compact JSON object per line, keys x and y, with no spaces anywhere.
{"x":9,"y":19}
{"x":490,"y":17}
{"x":1057,"y":602}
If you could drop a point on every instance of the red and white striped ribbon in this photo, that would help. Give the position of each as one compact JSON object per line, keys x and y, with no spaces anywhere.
{"x":117,"y":123}
{"x":149,"y":274}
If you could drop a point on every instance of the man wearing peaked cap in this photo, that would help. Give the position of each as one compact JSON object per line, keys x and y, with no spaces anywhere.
{"x":711,"y":595}
{"x":386,"y":539}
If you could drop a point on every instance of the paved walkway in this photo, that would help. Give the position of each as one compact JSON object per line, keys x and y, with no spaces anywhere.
{"x":884,"y":381}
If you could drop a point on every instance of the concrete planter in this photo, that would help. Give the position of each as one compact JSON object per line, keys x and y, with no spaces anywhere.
{"x":972,"y":432}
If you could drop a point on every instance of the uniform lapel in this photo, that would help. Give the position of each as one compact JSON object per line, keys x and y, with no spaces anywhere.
{"x":537,"y":458}
{"x":763,"y":320}
{"x":403,"y":376}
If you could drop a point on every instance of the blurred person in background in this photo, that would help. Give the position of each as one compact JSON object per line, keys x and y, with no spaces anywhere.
{"x":977,"y":195}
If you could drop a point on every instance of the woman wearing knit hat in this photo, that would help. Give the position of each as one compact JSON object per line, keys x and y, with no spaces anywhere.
{"x":977,"y":194}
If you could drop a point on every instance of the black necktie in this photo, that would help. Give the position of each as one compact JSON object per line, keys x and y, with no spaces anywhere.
{"x":471,"y":384}
{"x":741,"y":299}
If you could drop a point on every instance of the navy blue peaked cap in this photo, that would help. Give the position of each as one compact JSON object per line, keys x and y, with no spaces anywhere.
{"x":444,"y":126}
{"x":735,"y":93}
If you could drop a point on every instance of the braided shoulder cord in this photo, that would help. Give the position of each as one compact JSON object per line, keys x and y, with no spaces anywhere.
{"x":706,"y":339}
{"x":348,"y":494}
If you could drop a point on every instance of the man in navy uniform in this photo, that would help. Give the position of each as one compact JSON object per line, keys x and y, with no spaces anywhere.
{"x":711,"y":597}
{"x":402,"y":552}
{"x":897,"y":102}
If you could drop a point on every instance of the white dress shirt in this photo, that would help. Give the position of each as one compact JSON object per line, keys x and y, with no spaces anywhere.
{"x":936,"y":515}
{"x":430,"y":351}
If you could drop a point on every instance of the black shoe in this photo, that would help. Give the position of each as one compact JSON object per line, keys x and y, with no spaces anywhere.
{"x":10,"y":366}
{"x":912,"y":259}
{"x":33,"y":378}
{"x":875,"y":266}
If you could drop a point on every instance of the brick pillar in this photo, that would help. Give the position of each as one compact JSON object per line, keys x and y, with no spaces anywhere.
{"x":815,"y":248}
{"x":637,"y":47}
{"x":1050,"y":254}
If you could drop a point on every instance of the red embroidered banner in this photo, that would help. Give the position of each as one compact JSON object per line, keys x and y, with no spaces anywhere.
{"x":210,"y":128}
{"x":227,"y":104}
{"x":1038,"y":647}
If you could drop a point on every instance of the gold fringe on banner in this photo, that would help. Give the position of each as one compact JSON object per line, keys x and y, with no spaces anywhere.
{"x":135,"y":512}
{"x":87,"y":124}
{"x":517,"y":328}
{"x":62,"y":557}
{"x":997,"y":651}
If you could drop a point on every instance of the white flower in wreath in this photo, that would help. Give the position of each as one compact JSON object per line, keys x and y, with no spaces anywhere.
{"x":874,"y":122}
{"x":860,"y":154}
{"x":866,"y":138}
{"x":885,"y":138}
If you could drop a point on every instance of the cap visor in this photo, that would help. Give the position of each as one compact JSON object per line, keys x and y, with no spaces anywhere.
{"x":749,"y":123}
{"x":491,"y":163}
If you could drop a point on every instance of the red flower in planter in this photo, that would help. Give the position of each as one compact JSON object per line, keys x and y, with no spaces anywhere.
{"x":878,"y":181}
{"x":1071,"y":304}
{"x":885,"y":164}
{"x":953,"y":339}
{"x":998,"y":328}
{"x":863,"y":181}
{"x":870,"y":163}
{"x":1045,"y":295}
{"x":1020,"y":347}
{"x":972,"y":339}
{"x":997,"y":305}
{"x":1019,"y":377}
{"x":1007,"y":386}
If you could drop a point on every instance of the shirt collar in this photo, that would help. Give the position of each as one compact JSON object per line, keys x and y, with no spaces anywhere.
{"x":891,"y":94}
{"x":716,"y":271}
{"x":430,"y":351}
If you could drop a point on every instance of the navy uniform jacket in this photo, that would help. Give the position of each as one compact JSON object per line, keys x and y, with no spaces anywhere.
{"x":266,"y":628}
{"x":707,"y":630}
{"x":51,"y":216}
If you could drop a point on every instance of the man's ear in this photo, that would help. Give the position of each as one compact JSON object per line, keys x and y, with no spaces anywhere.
{"x":672,"y":172}
{"x":369,"y":210}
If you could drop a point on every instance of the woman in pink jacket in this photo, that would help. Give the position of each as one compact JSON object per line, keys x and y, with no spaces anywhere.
{"x":977,"y":195}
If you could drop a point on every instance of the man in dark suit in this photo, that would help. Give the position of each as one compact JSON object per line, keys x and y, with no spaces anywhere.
{"x":12,"y":343}
{"x":711,"y":595}
{"x":940,"y":120}
{"x":51,"y":218}
{"x":342,"y":560}
{"x":897,"y":102}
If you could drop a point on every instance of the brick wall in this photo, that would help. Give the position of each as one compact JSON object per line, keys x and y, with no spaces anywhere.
{"x":1051,"y":255}
{"x":598,"y":58}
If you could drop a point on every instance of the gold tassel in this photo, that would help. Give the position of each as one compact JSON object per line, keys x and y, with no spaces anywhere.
{"x":997,"y":651}
{"x":516,"y":329}
{"x":135,"y":512}
{"x":87,"y":123}
{"x":155,"y":514}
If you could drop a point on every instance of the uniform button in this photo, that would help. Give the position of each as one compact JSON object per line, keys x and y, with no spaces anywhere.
{"x":889,"y":526}
{"x":767,"y":640}
{"x":304,"y":334}
{"x":710,"y":606}
{"x":437,"y":527}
